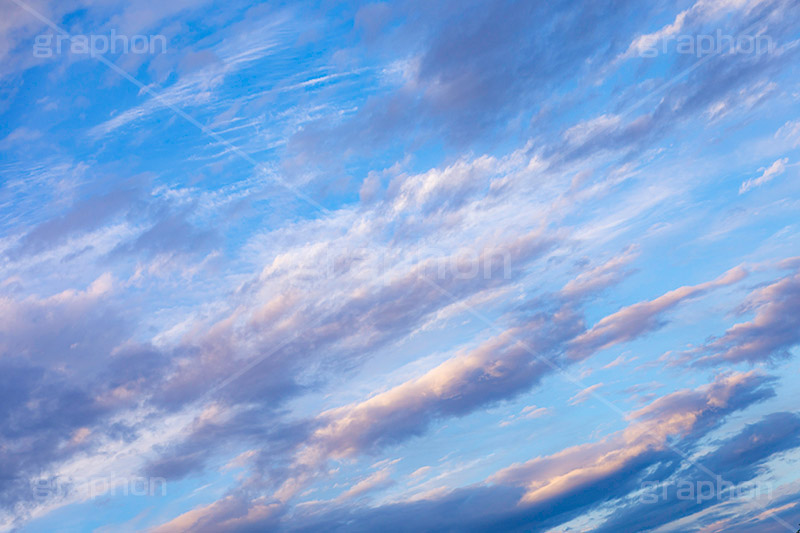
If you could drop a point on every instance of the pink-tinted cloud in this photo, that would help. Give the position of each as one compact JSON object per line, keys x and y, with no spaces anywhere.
{"x":637,"y":319}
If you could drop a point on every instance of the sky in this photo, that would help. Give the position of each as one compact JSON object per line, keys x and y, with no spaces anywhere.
{"x":399,"y":266}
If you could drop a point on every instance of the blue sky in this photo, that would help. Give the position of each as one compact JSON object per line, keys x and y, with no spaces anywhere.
{"x":402,"y":266}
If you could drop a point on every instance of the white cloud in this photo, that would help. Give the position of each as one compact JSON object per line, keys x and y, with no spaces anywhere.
{"x":775,"y":169}
{"x":584,"y":395}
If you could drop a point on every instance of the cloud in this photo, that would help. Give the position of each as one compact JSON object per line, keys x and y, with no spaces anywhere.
{"x":442,"y":189}
{"x":768,"y":336}
{"x":227,"y":514}
{"x":634,"y":320}
{"x":374,"y":481}
{"x":701,"y":12}
{"x":743,"y":100}
{"x":601,"y":276}
{"x":775,"y":169}
{"x":790,"y":132}
{"x":172,"y":233}
{"x":770,"y":519}
{"x":584,"y":395}
{"x":529,"y":412}
{"x":71,"y":325}
{"x":84,"y":216}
